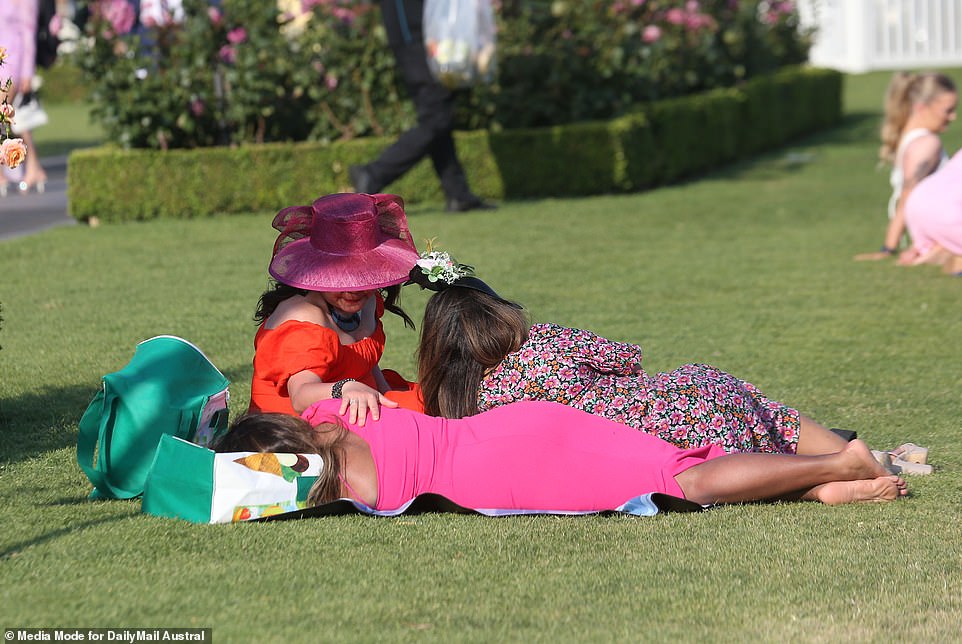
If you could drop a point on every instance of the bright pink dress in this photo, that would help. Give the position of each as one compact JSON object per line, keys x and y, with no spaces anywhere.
{"x":18,"y":34}
{"x":526,"y":455}
{"x":933,"y":211}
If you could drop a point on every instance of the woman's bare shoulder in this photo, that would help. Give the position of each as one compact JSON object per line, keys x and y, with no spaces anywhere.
{"x":296,"y":308}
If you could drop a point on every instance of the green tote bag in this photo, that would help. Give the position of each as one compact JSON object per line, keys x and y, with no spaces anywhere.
{"x":168,"y":387}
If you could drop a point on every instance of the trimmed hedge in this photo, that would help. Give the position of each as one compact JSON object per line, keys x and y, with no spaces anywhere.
{"x":657,"y":144}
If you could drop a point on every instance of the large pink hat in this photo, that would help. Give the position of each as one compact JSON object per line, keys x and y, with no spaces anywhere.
{"x":344,"y":242}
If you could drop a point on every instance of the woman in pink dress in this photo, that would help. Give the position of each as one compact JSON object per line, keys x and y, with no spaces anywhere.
{"x":542,"y":456}
{"x":933,"y":214}
{"x":18,"y":34}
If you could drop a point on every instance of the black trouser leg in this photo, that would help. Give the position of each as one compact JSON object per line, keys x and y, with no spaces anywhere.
{"x":431,"y":136}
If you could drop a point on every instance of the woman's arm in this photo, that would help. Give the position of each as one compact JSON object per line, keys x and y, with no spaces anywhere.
{"x":602,"y":354}
{"x":921,"y":158}
{"x":305,"y":388}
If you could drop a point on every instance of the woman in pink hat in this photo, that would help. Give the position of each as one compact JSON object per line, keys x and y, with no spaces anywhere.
{"x":338,"y":264}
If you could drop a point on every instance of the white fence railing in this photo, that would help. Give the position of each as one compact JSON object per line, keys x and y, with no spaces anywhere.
{"x":862,"y":35}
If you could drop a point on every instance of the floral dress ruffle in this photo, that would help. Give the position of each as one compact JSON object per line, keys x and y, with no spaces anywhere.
{"x":691,"y":406}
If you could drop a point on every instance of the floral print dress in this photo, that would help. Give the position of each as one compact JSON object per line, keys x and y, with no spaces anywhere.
{"x":691,"y":406}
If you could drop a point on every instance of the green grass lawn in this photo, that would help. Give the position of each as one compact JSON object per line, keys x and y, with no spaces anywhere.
{"x":748,"y":269}
{"x":69,"y":127}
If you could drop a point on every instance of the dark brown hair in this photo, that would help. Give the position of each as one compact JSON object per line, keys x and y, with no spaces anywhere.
{"x":277,"y":293}
{"x":464,"y":333}
{"x":291,"y":435}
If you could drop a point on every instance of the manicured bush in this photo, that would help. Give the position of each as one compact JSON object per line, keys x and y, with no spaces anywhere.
{"x":660,"y":143}
{"x":245,"y":71}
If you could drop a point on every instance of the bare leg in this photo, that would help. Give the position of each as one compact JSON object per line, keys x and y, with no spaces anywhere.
{"x":953,"y":265}
{"x":935,"y":255}
{"x":33,"y":173}
{"x":814,"y":439}
{"x":850,"y":475}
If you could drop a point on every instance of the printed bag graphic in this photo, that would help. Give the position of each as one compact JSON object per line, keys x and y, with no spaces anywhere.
{"x":191,"y":482}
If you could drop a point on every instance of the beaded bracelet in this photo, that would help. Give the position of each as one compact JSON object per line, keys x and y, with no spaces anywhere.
{"x":339,"y":385}
{"x":887,"y":250}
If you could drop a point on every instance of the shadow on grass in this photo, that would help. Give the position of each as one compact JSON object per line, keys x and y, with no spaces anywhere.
{"x":859,"y":128}
{"x":46,"y":420}
{"x":17,"y":548}
{"x":42,"y":421}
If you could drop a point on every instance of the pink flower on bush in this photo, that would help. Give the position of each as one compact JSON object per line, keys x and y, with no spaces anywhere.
{"x":55,"y":24}
{"x":696,"y":21}
{"x":7,"y":110}
{"x":119,"y":13}
{"x":197,"y":107}
{"x":675,"y":16}
{"x":237,"y":36}
{"x":215,"y":16}
{"x":330,"y":80}
{"x":650,"y":34}
{"x":12,"y":152}
{"x":777,"y":11}
{"x":344,"y":14}
{"x":227,"y":54}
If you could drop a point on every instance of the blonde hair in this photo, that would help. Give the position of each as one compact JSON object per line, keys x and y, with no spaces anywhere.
{"x":905,"y":90}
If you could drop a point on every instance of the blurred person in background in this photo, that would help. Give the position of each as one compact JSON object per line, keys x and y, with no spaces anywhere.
{"x":918,"y":107}
{"x":431,"y":135}
{"x":18,"y":34}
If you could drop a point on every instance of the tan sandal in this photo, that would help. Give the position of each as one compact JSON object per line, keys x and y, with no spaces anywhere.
{"x":911,"y":452}
{"x":905,"y":467}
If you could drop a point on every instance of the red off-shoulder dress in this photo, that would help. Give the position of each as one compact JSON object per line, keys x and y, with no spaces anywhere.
{"x":296,"y":346}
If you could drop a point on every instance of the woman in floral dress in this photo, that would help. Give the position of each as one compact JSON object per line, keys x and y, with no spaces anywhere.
{"x":477,"y":352}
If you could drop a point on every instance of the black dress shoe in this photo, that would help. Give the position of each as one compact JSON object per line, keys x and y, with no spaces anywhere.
{"x":361,"y":179}
{"x":473,"y":202}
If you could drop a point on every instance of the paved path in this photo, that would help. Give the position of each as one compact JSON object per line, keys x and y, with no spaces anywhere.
{"x":31,"y":213}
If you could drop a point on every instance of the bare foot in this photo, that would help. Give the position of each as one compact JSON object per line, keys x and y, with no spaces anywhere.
{"x":953,"y":265}
{"x":935,"y":255}
{"x":858,"y":463}
{"x":908,"y":257}
{"x":884,"y":488}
